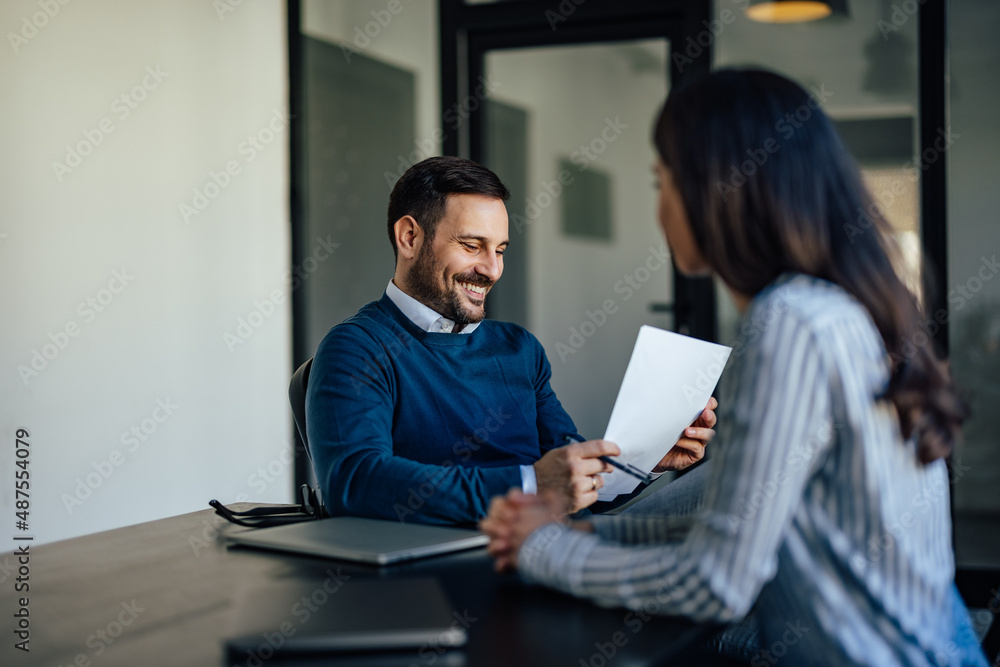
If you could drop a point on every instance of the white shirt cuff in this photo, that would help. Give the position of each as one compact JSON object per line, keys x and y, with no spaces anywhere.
{"x":529,"y":483}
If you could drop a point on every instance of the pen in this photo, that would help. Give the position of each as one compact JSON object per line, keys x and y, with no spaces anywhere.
{"x":624,"y":467}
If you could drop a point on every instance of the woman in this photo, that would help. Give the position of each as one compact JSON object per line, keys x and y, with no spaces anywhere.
{"x":826,"y":507}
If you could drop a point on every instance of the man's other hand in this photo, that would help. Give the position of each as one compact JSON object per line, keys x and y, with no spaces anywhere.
{"x":573,"y":471}
{"x":691,"y":447}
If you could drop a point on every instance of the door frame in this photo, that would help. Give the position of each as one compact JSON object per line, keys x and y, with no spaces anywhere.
{"x":468,"y":32}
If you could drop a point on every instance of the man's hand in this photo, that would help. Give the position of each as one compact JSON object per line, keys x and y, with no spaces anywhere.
{"x":572,"y":471}
{"x":691,"y":448}
{"x":512,"y":518}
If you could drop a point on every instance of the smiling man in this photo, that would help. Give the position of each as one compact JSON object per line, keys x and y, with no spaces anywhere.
{"x":419,"y":409}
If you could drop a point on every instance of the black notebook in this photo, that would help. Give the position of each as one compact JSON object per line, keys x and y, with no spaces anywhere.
{"x":343,"y":614}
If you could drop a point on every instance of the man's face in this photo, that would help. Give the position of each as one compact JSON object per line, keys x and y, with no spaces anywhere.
{"x":454,"y":271}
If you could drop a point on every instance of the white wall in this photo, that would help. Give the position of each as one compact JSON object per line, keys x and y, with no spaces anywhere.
{"x":160,"y":338}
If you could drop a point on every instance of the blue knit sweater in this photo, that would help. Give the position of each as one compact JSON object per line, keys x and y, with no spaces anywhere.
{"x":427,"y":427}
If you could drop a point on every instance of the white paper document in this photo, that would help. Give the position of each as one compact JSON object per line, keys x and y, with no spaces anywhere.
{"x":667,"y":384}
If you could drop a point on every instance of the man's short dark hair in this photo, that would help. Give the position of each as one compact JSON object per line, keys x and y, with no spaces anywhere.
{"x":422,"y":192}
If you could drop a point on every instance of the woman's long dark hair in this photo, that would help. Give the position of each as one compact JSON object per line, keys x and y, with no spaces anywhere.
{"x":769,"y":188}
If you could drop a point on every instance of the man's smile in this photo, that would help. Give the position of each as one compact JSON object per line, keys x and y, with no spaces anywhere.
{"x":475,"y":292}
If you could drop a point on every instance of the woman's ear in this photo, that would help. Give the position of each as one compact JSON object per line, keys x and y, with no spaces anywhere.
{"x":409,"y":237}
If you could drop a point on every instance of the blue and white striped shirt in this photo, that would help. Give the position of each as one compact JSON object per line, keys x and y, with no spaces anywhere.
{"x":815,"y":509}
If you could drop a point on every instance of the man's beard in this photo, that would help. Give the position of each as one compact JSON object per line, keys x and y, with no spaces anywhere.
{"x":424,"y":287}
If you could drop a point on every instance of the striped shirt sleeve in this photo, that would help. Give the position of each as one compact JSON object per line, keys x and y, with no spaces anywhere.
{"x":774,"y":424}
{"x":642,"y":529}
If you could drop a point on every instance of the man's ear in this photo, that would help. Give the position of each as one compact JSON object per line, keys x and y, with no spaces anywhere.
{"x":409,"y":236}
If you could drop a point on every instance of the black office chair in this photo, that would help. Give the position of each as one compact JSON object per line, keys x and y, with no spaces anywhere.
{"x":297,"y":398}
{"x":310,"y":505}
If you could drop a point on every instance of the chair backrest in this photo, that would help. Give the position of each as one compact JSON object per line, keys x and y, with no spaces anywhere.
{"x":297,"y":397}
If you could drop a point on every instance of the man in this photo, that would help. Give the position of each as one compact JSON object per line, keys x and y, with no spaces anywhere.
{"x":420,"y":410}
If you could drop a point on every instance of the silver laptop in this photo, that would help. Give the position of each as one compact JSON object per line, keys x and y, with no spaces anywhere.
{"x":353,"y":614}
{"x":364,"y":540}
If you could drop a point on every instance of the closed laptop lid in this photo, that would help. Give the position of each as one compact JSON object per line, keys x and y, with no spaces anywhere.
{"x":364,"y":540}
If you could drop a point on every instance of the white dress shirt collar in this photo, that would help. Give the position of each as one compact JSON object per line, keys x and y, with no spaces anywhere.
{"x":426,"y":318}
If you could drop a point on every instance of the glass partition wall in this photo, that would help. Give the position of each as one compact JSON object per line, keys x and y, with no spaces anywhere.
{"x":972,"y":139}
{"x":865,"y":78}
{"x":568,"y":130}
{"x":863,"y":65}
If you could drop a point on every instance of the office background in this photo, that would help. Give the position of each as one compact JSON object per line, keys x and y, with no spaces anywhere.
{"x":145,"y":244}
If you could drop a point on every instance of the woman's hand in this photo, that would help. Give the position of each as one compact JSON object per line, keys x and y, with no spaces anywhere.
{"x":691,"y":448}
{"x":512,"y":518}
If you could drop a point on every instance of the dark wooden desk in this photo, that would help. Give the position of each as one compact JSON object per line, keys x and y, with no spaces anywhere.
{"x":160,"y":593}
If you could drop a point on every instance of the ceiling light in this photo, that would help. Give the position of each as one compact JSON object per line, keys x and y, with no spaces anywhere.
{"x":788,"y":11}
